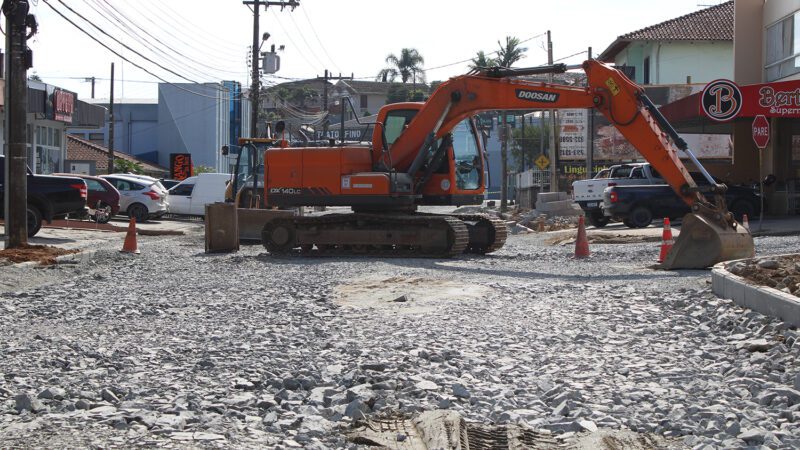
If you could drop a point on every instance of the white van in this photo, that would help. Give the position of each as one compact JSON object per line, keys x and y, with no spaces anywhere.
{"x":191,"y":195}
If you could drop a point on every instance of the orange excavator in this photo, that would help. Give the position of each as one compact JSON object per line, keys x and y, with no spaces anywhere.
{"x":430,"y":154}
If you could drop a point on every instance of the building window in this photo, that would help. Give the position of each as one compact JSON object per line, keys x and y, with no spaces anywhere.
{"x":783,"y":48}
{"x":646,"y":71}
{"x":97,"y":138}
{"x":47,"y":157}
{"x":364,"y":102}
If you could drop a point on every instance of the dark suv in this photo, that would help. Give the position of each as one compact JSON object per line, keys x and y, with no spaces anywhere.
{"x":49,"y":197}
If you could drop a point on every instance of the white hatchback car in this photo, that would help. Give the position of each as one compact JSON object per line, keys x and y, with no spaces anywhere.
{"x":140,"y":197}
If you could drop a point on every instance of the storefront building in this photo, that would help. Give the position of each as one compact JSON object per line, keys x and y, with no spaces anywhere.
{"x":766,"y":81}
{"x":50,"y":111}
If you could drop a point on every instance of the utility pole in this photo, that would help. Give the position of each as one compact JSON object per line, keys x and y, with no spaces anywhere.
{"x":255,"y":86}
{"x":111,"y":125}
{"x":325,"y":79}
{"x":18,"y":60}
{"x":589,"y":134}
{"x":552,"y":143}
{"x":522,"y":142}
{"x":503,"y":162}
{"x":92,"y":80}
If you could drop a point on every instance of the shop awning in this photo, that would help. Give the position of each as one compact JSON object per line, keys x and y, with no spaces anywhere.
{"x":723,"y":103}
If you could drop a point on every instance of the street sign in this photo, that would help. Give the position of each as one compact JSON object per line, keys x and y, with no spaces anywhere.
{"x":542,"y":162}
{"x":761,"y":131}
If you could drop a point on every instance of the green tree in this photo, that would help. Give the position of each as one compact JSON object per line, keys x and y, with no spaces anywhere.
{"x":34,"y":77}
{"x":300,"y":95}
{"x":481,"y":60}
{"x":408,"y":66}
{"x":416,"y":95}
{"x":202,"y":169}
{"x":127,"y":166}
{"x":526,"y":147}
{"x":510,"y":52}
{"x":397,"y":93}
{"x":434,"y":86}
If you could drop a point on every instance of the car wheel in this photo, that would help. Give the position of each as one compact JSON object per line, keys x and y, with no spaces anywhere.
{"x":103,"y":214}
{"x":34,"y":220}
{"x":598,"y":219}
{"x":742,"y":207}
{"x":640,"y":217}
{"x":139,"y":212}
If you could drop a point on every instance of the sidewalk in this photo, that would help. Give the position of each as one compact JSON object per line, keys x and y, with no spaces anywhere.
{"x":93,"y":239}
{"x":773,"y":226}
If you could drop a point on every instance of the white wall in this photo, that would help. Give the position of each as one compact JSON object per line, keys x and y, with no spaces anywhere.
{"x":672,"y":61}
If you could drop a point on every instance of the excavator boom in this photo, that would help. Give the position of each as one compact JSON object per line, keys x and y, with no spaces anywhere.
{"x":430,"y":154}
{"x":708,"y":235}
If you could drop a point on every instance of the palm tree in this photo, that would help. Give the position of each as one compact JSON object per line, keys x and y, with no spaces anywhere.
{"x":507,"y":55}
{"x":510,"y":53}
{"x":481,"y":60}
{"x":407,"y":66}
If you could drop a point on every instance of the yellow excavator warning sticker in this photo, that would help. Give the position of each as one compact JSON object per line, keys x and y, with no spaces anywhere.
{"x":612,"y":86}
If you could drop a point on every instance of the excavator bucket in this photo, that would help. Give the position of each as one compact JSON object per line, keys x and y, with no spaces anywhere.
{"x":703,"y":242}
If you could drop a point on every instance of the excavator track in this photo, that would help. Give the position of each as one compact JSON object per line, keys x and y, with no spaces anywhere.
{"x":385,"y":235}
{"x":486,"y":233}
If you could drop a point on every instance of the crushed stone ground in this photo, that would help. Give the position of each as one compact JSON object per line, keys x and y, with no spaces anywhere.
{"x":177,"y":348}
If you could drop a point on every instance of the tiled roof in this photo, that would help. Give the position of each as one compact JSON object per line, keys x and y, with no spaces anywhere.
{"x":710,"y":24}
{"x":82,"y":150}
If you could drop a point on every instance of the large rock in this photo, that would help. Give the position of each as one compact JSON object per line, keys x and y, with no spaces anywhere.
{"x":26,"y":402}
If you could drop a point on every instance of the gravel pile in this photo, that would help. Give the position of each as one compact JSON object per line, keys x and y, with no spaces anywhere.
{"x":178,"y":347}
{"x":782,"y":273}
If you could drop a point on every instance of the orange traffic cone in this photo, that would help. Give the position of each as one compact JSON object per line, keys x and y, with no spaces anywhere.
{"x":745,"y":222}
{"x":130,"y":239}
{"x":581,"y":244}
{"x":666,"y":241}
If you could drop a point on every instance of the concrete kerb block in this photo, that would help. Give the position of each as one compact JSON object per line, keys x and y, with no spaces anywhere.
{"x":766,"y":300}
{"x":554,"y":205}
{"x":547,"y":197}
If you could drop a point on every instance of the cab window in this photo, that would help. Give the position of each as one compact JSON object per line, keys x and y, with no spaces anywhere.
{"x":395,"y":123}
{"x":466,"y":154}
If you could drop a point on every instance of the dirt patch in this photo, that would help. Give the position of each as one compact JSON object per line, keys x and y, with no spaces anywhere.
{"x":779,"y":272}
{"x":43,"y":254}
{"x":408,"y":295}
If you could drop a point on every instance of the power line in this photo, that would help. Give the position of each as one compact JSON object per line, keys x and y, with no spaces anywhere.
{"x":289,"y":36}
{"x":123,"y":26}
{"x":151,"y":35}
{"x":122,"y":57}
{"x":303,"y":37}
{"x":313,"y":29}
{"x":570,"y":56}
{"x":492,"y":53}
{"x":117,"y":40}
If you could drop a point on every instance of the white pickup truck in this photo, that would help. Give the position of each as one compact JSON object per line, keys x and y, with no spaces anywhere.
{"x":589,"y":193}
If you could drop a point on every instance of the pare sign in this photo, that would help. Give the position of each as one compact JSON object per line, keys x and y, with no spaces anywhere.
{"x":761,"y":131}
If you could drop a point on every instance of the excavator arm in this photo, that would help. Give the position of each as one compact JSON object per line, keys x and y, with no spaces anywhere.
{"x":708,"y":235}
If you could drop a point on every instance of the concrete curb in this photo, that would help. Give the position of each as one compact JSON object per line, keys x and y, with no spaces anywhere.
{"x":766,"y":300}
